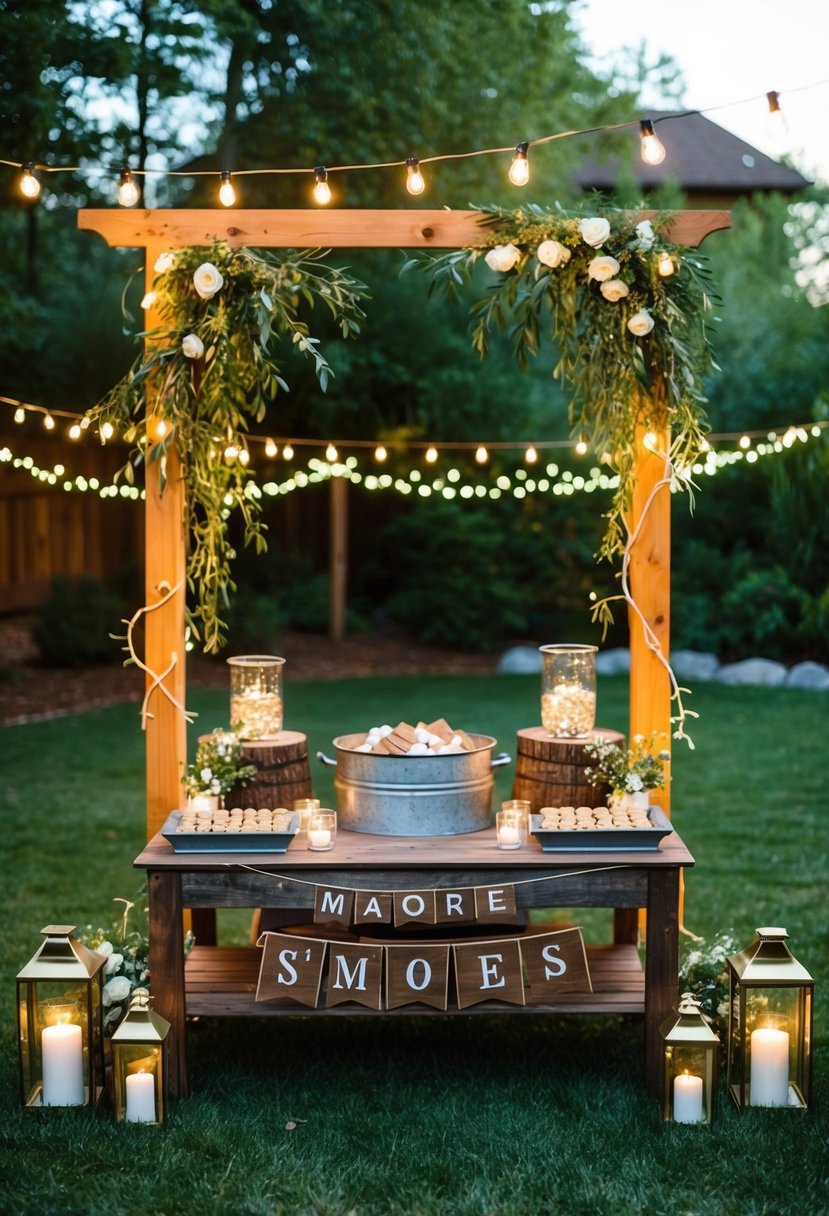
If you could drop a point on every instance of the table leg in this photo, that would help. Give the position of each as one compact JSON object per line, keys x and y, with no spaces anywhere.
{"x":661,"y":967}
{"x":625,"y":926}
{"x":167,"y":969}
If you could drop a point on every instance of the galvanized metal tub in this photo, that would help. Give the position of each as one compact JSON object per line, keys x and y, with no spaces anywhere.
{"x":414,"y":795}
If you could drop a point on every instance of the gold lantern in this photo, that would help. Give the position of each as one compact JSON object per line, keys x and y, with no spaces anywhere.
{"x":689,"y":1055}
{"x":770,"y":1024}
{"x":139,"y":1063}
{"x":60,"y":1023}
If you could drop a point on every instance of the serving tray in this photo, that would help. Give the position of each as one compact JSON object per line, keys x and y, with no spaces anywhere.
{"x":227,"y":842}
{"x":603,"y":840}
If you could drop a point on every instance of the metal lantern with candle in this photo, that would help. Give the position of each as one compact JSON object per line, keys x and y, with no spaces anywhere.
{"x":690,"y":1049}
{"x":60,"y":1023}
{"x":568,"y":690}
{"x":256,"y":704}
{"x":770,"y":1024}
{"x":139,"y":1063}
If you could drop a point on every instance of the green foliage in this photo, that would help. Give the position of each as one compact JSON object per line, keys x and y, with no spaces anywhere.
{"x":631,"y":343}
{"x":74,"y":626}
{"x":217,"y":766}
{"x":209,"y":375}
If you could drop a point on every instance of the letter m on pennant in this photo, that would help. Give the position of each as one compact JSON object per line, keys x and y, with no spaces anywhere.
{"x":355,"y":973}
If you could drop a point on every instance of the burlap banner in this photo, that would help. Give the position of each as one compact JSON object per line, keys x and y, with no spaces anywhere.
{"x":466,"y":906}
{"x":530,"y":970}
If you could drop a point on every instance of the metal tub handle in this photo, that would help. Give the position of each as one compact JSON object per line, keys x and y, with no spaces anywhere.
{"x":500,"y":760}
{"x":323,"y":759}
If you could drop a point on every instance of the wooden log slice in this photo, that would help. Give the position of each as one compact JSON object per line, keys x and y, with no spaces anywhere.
{"x":550,"y":771}
{"x":282,"y":772}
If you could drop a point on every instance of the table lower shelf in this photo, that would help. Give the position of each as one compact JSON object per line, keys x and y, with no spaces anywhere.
{"x":220,"y":981}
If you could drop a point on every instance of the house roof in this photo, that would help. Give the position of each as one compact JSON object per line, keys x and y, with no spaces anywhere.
{"x":701,"y":157}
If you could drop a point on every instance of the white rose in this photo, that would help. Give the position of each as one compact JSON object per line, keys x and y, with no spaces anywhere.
{"x":614,"y":289}
{"x":602,"y":268}
{"x":646,"y":234}
{"x":113,"y":963}
{"x":164,"y":262}
{"x":502,"y":257}
{"x":552,"y":253}
{"x":104,"y":949}
{"x":206,"y":774}
{"x":595,"y":230}
{"x":192,"y":347}
{"x":116,"y":989}
{"x":207,"y":280}
{"x":641,"y":323}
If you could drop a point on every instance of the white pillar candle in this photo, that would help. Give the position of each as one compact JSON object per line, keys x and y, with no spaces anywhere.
{"x":319,"y":838}
{"x":140,"y":1098}
{"x":509,"y":837}
{"x":62,"y":1048}
{"x":688,"y":1098}
{"x":769,"y":1076}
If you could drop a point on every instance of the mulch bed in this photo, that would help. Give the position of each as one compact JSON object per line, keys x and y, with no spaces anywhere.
{"x":30,"y":692}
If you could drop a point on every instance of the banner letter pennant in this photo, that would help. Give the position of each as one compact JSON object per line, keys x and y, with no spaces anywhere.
{"x":355,"y":973}
{"x":489,"y":971}
{"x":291,"y":969}
{"x":332,"y":904}
{"x":417,"y":974}
{"x":495,"y":905}
{"x":414,"y":908}
{"x":372,"y":908}
{"x":556,"y":964}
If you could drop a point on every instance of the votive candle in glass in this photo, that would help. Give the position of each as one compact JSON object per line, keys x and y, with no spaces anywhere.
{"x":510,"y":829}
{"x":568,"y":690}
{"x":256,"y":705}
{"x":322,"y":831}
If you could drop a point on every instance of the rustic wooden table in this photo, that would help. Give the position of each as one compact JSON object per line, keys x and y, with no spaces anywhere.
{"x":221,"y":981}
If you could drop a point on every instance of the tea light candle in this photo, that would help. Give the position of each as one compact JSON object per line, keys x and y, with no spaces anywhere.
{"x":688,"y":1098}
{"x":769,"y":1077}
{"x":509,"y":837}
{"x":62,"y":1049}
{"x":319,"y":838}
{"x":140,"y":1098}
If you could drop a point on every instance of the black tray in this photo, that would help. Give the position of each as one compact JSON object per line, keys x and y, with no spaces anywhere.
{"x":227,"y":842}
{"x":603,"y":840}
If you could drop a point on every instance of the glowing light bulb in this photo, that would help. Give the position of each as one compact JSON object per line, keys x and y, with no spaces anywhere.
{"x":244,"y":456}
{"x":777,"y":129}
{"x":20,"y":414}
{"x":431,"y":455}
{"x":287,"y":452}
{"x":380,"y":453}
{"x":665,"y":265}
{"x":531,"y":455}
{"x":330,"y":453}
{"x":29,"y":185}
{"x":745,"y":442}
{"x":74,"y":431}
{"x":581,"y":448}
{"x":652,"y":149}
{"x":481,"y":455}
{"x":107,"y":431}
{"x":160,"y":428}
{"x":48,"y":422}
{"x":271,"y":449}
{"x":705,"y":446}
{"x":519,"y":170}
{"x":128,"y":192}
{"x":322,"y":191}
{"x":414,"y":178}
{"x":231,"y":452}
{"x":227,"y":194}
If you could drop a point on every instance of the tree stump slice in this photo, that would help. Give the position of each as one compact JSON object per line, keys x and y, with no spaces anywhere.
{"x":550,"y":771}
{"x":283,"y":772}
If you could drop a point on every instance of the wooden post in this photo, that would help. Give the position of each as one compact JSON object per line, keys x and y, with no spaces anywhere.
{"x":338,"y":557}
{"x":164,"y":569}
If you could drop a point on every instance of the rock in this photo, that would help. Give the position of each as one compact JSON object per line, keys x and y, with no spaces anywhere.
{"x":694,"y":665}
{"x":614,"y":662}
{"x":520,"y":661}
{"x":753,"y":671}
{"x":813,"y":676}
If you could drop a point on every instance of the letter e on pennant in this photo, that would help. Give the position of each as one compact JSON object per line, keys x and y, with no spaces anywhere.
{"x":495,"y":905}
{"x":488,"y":971}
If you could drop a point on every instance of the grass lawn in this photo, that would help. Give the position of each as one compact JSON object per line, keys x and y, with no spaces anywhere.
{"x":394,"y":1116}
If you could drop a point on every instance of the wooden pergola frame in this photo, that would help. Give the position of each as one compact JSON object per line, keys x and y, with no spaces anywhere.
{"x":166,"y":516}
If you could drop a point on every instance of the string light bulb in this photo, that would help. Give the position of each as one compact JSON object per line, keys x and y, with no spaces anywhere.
{"x":581,"y":448}
{"x":652,"y":148}
{"x":414,"y":178}
{"x":519,"y":170}
{"x":107,"y":431}
{"x":330,"y":453}
{"x":431,"y":455}
{"x":29,"y":185}
{"x":128,"y":192}
{"x":227,"y":194}
{"x":271,"y":449}
{"x":665,"y":265}
{"x":481,"y":455}
{"x":74,"y":431}
{"x":322,"y":191}
{"x":244,"y":456}
{"x":20,"y":414}
{"x":48,"y":422}
{"x":745,"y":442}
{"x":287,"y":452}
{"x":531,"y":455}
{"x":380,"y":453}
{"x":777,"y":128}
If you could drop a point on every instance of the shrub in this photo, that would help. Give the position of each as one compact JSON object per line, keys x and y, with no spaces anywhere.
{"x":74,"y":625}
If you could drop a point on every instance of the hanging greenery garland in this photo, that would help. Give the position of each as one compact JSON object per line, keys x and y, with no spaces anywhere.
{"x":624,"y":308}
{"x":209,"y":372}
